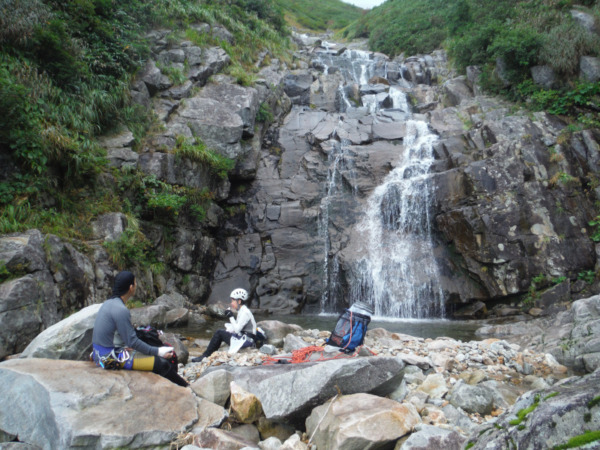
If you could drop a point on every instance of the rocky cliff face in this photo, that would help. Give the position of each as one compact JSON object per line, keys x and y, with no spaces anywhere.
{"x":482,"y":202}
{"x":511,"y":192}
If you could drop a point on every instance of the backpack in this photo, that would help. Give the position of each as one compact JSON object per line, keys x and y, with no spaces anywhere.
{"x":349,"y":331}
{"x":149,"y":335}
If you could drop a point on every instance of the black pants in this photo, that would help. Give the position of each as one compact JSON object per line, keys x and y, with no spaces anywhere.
{"x":168,"y":369}
{"x":218,"y":338}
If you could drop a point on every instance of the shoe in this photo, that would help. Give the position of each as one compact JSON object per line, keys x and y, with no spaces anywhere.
{"x":198,"y":358}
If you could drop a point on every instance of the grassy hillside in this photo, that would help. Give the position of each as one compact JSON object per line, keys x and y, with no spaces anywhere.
{"x":65,"y":70}
{"x":319,"y":15}
{"x":523,"y":33}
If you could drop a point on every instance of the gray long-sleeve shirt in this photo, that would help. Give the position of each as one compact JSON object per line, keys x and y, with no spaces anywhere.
{"x":112,"y":317}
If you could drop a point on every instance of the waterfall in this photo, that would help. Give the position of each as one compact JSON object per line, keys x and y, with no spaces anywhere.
{"x":337,"y":160}
{"x":398,"y":274}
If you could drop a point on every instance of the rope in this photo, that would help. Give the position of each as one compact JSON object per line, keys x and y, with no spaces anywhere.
{"x":304,"y":354}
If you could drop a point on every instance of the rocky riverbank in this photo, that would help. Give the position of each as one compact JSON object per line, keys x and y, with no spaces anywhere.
{"x":400,"y":391}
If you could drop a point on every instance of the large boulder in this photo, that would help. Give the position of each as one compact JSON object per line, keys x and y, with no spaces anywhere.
{"x":27,"y":306}
{"x":304,"y":386}
{"x":241,"y":100}
{"x":214,"y":122}
{"x":63,"y":404}
{"x":297,"y":87}
{"x":70,"y":338}
{"x":472,"y":399}
{"x":430,"y":437}
{"x":572,"y":337}
{"x":546,"y":418}
{"x":360,"y":421}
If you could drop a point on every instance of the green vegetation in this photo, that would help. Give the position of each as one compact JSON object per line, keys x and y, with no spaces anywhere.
{"x":538,"y":282}
{"x":588,"y":276}
{"x":522,"y":414}
{"x":264,"y":113}
{"x":522,"y":34}
{"x":595,"y":236}
{"x":582,"y":439}
{"x":65,"y":72}
{"x":219,"y":165}
{"x":319,"y":15}
{"x":594,"y":402}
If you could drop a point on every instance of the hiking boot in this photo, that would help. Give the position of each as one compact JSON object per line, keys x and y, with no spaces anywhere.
{"x":198,"y":358}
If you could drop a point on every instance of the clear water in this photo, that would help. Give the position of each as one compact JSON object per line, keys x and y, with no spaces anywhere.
{"x":426,"y":328}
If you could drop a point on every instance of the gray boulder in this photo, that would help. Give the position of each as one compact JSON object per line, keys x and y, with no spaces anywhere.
{"x":430,"y":437}
{"x":214,"y":386}
{"x":589,"y":68}
{"x":307,"y":385}
{"x":297,"y":87}
{"x":472,"y":399}
{"x":276,"y":331}
{"x":241,"y":100}
{"x":456,"y":90}
{"x":153,"y":78}
{"x":215,"y":123}
{"x":544,"y":76}
{"x":63,"y":404}
{"x":27,"y":306}
{"x":585,"y":20}
{"x":546,"y":418}
{"x":214,"y":59}
{"x":70,"y":338}
{"x":109,"y":226}
{"x":23,"y":253}
{"x":360,"y":421}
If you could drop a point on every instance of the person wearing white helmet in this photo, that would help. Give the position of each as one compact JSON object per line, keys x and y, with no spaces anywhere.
{"x":239,"y":332}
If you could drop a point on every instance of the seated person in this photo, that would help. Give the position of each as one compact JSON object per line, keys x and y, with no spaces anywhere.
{"x":113,"y":323}
{"x":239,"y":332}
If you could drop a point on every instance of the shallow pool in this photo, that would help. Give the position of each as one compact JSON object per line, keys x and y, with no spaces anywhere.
{"x":425,"y":328}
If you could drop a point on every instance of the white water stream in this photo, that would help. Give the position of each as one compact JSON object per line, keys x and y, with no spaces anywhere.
{"x":398,"y":274}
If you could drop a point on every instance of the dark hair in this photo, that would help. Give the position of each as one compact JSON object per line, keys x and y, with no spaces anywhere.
{"x":123,"y":280}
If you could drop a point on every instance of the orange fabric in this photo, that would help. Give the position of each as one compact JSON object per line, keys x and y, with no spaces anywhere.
{"x":303,"y":355}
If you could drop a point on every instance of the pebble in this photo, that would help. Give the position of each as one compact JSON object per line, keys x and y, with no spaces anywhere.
{"x":489,"y":359}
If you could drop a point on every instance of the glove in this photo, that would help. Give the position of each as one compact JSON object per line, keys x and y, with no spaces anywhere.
{"x":228,"y":313}
{"x":162,"y":351}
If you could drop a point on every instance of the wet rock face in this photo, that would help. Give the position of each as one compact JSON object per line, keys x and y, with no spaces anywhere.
{"x":509,"y":196}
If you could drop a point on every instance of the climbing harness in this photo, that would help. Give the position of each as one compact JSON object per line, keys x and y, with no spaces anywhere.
{"x":111,"y":359}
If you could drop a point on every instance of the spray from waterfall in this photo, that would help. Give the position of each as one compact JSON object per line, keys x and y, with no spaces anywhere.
{"x":398,"y":274}
{"x":396,"y":228}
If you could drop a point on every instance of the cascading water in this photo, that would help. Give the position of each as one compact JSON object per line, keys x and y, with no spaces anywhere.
{"x":397,"y":275}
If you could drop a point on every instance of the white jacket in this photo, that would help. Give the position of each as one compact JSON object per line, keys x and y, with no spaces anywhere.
{"x":243,"y":322}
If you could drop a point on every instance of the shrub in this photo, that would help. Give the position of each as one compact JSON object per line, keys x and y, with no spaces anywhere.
{"x":219,"y":165}
{"x":518,"y":47}
{"x":264,"y":113}
{"x":564,"y":44}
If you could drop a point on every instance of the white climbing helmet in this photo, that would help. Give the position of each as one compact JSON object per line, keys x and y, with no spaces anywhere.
{"x":239,"y":294}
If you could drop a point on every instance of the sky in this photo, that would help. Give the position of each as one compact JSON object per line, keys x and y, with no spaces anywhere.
{"x":365,"y":4}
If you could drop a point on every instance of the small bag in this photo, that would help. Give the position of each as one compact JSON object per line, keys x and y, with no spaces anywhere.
{"x":150,"y":335}
{"x":350,"y":331}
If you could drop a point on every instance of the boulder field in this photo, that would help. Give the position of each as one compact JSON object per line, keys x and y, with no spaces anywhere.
{"x":396,"y":391}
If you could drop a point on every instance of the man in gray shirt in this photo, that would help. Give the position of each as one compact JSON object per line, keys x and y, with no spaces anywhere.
{"x":114,"y":337}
